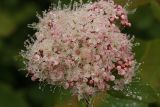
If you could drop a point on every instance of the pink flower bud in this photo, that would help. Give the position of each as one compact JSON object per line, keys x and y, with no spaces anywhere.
{"x":81,"y":49}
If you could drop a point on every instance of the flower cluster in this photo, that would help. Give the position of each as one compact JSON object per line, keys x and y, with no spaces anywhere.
{"x":82,"y":49}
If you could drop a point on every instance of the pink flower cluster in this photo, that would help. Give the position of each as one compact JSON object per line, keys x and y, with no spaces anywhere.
{"x":83,"y":49}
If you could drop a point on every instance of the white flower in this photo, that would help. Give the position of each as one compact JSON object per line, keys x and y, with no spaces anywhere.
{"x":82,"y":49}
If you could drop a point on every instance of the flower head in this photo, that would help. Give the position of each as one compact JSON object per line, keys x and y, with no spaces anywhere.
{"x":83,"y":49}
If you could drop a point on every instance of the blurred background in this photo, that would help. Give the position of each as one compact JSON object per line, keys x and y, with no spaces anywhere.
{"x":16,"y":90}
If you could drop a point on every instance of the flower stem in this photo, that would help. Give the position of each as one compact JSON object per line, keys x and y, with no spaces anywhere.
{"x":88,"y":100}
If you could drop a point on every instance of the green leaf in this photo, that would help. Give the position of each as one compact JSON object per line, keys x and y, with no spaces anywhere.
{"x":111,"y":101}
{"x":151,"y":68}
{"x":49,"y":96}
{"x":140,"y":50}
{"x":137,"y":91}
{"x":62,"y":98}
{"x":135,"y":94}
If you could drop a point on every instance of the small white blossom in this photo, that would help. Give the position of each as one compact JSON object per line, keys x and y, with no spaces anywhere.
{"x":82,"y":49}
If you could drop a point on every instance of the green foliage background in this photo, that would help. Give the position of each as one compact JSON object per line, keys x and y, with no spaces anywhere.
{"x":18,"y":91}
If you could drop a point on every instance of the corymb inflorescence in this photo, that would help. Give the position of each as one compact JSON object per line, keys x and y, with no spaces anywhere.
{"x":82,"y":49}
